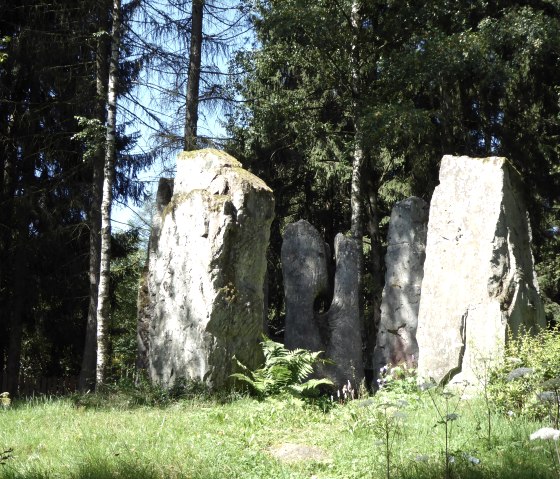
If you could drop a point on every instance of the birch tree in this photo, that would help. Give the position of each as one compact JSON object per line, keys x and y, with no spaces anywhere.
{"x":108,"y":179}
{"x":88,"y":368}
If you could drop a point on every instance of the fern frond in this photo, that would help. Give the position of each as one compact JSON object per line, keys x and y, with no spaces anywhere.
{"x":310,"y":388}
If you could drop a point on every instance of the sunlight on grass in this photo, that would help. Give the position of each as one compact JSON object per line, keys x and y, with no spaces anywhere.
{"x":205,"y":439}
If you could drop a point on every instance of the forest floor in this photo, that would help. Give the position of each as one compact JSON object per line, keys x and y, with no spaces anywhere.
{"x":387,"y":436}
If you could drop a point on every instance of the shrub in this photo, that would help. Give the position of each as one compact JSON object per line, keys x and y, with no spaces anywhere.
{"x":401,"y":379}
{"x":522,"y":383}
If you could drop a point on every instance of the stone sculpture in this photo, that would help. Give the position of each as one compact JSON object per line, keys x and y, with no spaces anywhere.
{"x":404,"y":262}
{"x":203,"y":294}
{"x":307,"y":293}
{"x":479,"y":277}
{"x":305,"y":257}
{"x":344,"y":345}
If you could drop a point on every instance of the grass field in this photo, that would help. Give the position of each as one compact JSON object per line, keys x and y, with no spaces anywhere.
{"x":202,"y":438}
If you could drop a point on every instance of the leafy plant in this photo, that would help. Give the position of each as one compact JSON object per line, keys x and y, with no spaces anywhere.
{"x":523,"y":380}
{"x":401,"y":379}
{"x":446,"y":416}
{"x":387,"y":426}
{"x":5,"y":400}
{"x":284,"y":371}
{"x":548,"y":433}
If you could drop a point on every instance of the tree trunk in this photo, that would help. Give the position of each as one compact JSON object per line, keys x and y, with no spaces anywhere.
{"x":6,"y":195}
{"x":17,"y":313}
{"x":87,"y":373}
{"x":356,"y":195}
{"x":103,"y":306}
{"x":193,"y":81}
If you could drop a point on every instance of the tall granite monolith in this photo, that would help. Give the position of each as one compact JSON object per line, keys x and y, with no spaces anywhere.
{"x":207,"y":267}
{"x":321,"y":316}
{"x":479,"y":279}
{"x":404,"y":261}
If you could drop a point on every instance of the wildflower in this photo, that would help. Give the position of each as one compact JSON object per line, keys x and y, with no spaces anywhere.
{"x":546,"y":433}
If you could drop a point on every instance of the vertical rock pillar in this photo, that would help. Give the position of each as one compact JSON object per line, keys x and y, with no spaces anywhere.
{"x":305,"y":258}
{"x":404,"y":261}
{"x":479,"y":278}
{"x":344,"y":346}
{"x":307,"y":292}
{"x":207,"y":267}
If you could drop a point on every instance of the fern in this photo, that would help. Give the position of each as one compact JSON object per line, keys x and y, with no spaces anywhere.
{"x":283,"y":371}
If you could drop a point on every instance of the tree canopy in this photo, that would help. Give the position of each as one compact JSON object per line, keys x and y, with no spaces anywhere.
{"x":342,"y":106}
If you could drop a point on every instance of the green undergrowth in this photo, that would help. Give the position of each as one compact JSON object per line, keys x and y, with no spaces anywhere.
{"x":198,"y":437}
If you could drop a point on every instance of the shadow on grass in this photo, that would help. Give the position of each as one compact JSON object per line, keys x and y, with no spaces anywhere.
{"x":96,"y":469}
{"x":511,"y":467}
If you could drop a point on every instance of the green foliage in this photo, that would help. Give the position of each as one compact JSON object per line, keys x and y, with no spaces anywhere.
{"x":5,"y":400}
{"x":92,"y":136}
{"x":129,"y":258}
{"x":400,"y":379}
{"x":130,"y":394}
{"x":385,"y":419}
{"x":3,"y":42}
{"x":201,"y":438}
{"x":284,"y":371}
{"x":522,"y":395}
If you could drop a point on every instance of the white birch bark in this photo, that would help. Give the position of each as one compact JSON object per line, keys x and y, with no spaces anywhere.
{"x":108,"y":179}
{"x":88,"y":367}
{"x":356,"y":195}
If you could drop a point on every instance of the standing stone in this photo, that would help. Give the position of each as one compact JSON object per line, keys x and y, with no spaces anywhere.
{"x":305,"y":259}
{"x":404,"y":261}
{"x":207,"y":270}
{"x":479,"y":277}
{"x":344,"y":346}
{"x":147,"y":290}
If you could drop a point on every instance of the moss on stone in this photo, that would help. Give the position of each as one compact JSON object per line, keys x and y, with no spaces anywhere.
{"x":250,"y":177}
{"x":209,"y":153}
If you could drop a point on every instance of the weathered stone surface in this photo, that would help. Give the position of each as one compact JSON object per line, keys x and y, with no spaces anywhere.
{"x":306,"y":281}
{"x":147,"y":289}
{"x":479,"y":277}
{"x":404,"y":261}
{"x":305,"y":259}
{"x":207,"y":270}
{"x":344,"y":346}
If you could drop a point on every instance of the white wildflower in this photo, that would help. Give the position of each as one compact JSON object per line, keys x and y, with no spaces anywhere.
{"x":546,"y":433}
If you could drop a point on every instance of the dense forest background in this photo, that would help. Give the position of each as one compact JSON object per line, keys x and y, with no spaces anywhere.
{"x":342,"y":106}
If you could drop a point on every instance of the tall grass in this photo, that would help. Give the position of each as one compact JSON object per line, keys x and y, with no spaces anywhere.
{"x":201,"y":439}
